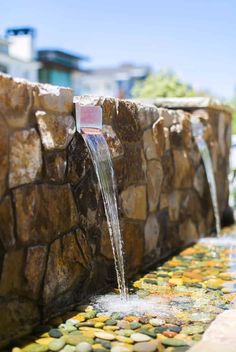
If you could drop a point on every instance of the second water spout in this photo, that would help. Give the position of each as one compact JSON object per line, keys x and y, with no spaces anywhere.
{"x":198,"y":133}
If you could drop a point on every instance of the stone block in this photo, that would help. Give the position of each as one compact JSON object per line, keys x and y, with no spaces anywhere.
{"x":34,"y":269}
{"x":168,"y":171}
{"x":133,"y":233}
{"x":134,"y":204}
{"x":4,"y":154}
{"x":25,"y":157}
{"x":55,"y":166}
{"x":188,"y":232}
{"x":56,"y":130}
{"x":12,"y":281}
{"x":159,"y":136}
{"x":200,"y":181}
{"x":64,"y":268}
{"x":154,"y":182}
{"x":133,"y":168}
{"x":17,"y":317}
{"x":126,"y":123}
{"x":150,"y":148}
{"x":174,"y":200}
{"x":79,"y":160}
{"x":7,"y":236}
{"x":115,"y":146}
{"x":16,"y":99}
{"x":52,"y":98}
{"x":147,"y":115}
{"x":43,"y":212}
{"x":183,"y":177}
{"x":151,"y":233}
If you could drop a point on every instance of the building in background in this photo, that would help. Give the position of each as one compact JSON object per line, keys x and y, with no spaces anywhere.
{"x":117,"y":81}
{"x":20,"y":58}
{"x":59,"y":67}
{"x":17,"y":53}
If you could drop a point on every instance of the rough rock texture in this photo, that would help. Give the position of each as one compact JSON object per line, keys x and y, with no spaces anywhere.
{"x":54,"y":241}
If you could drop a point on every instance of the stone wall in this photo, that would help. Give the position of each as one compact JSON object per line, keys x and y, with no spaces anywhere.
{"x":54,"y":241}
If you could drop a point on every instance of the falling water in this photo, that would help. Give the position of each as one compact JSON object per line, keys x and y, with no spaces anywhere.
{"x":197,"y":129}
{"x":102,"y":162}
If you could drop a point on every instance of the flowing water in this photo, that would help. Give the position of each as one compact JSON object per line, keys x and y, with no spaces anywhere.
{"x":102,"y":162}
{"x":198,"y":133}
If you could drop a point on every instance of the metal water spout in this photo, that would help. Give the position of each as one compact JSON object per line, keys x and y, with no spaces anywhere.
{"x":88,"y":119}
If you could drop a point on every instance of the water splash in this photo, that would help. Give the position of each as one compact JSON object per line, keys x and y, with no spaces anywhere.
{"x":102,"y":162}
{"x":198,"y":133}
{"x":135,"y":305}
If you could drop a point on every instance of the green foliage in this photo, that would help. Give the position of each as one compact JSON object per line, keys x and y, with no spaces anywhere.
{"x":234,"y":123}
{"x":163,"y":84}
{"x":232,"y":103}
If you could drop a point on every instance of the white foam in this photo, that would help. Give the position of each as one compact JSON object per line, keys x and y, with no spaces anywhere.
{"x":135,"y":305}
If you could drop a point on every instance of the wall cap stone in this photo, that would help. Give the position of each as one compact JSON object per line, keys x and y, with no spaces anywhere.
{"x":192,"y":103}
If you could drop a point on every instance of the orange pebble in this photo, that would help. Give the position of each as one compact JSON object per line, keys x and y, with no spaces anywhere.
{"x":168,"y":333}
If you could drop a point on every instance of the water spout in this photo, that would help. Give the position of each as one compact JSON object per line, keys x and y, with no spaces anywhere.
{"x":198,"y":133}
{"x":89,"y":124}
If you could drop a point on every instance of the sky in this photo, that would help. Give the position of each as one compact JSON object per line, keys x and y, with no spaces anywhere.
{"x":194,"y":38}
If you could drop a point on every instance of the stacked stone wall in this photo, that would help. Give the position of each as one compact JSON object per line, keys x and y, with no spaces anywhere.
{"x":54,"y":243}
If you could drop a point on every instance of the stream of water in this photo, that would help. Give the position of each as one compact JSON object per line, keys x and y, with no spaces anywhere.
{"x":198,"y":133}
{"x":102,"y":162}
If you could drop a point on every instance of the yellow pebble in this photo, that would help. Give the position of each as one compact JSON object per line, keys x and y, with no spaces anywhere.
{"x":176,"y":281}
{"x":111,"y":328}
{"x":16,"y":349}
{"x":101,"y":319}
{"x":124,"y":339}
{"x":122,"y":345}
{"x":97,"y":346}
{"x":44,"y":340}
{"x":79,"y":317}
{"x":45,"y":334}
{"x":99,"y":325}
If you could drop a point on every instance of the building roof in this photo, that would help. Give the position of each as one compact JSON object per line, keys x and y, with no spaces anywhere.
{"x":61,"y":58}
{"x":20,"y":31}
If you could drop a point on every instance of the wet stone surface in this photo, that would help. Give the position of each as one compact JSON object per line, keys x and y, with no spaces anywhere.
{"x":192,"y":287}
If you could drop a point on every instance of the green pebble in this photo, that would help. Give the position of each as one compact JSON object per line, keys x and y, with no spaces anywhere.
{"x":56,"y":345}
{"x":90,"y":315}
{"x":128,"y":332}
{"x":104,"y":343}
{"x":174,"y":328}
{"x":116,"y":316}
{"x":111,"y":322}
{"x":135,"y":325}
{"x":160,"y":329}
{"x":55,"y":333}
{"x":193,"y":329}
{"x":150,"y":333}
{"x":174,"y":342}
{"x":149,"y":281}
{"x":67,"y":327}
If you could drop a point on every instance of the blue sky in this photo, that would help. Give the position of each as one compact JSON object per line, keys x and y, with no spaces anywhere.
{"x":195,"y":38}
